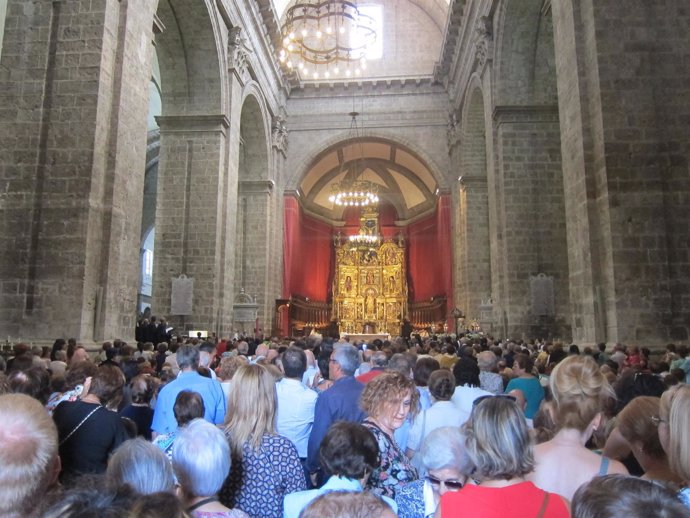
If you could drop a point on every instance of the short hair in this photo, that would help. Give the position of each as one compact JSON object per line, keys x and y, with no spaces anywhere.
{"x":466,"y":372}
{"x":442,"y":384}
{"x":207,"y":347}
{"x":387,"y":390}
{"x":28,"y":450}
{"x":34,"y":382}
{"x":636,"y":423}
{"x":107,"y":384}
{"x":77,"y":373}
{"x":188,"y":405}
{"x":229,"y":365}
{"x":201,"y":458}
{"x":444,"y":447}
{"x":349,"y":450}
{"x":142,"y":387}
{"x":498,"y":441}
{"x":347,"y":357}
{"x":187,"y":356}
{"x":486,"y":361}
{"x":612,"y":496}
{"x":140,"y":465}
{"x":580,"y":391}
{"x":679,"y":432}
{"x":294,"y":362}
{"x":423,"y":369}
{"x":525,"y":362}
{"x":402,"y":363}
{"x":346,"y":504}
{"x":379,"y":358}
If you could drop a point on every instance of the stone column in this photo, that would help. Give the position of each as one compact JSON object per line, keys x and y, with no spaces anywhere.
{"x":73,"y":104}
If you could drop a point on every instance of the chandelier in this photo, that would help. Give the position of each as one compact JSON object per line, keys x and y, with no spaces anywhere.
{"x":329,"y":34}
{"x":357,"y":191}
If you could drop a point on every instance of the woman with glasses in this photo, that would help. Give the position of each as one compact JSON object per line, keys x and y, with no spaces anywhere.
{"x":444,"y":460}
{"x":499,"y":448}
{"x":388,"y":399}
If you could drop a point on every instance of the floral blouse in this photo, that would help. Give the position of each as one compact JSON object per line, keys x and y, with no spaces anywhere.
{"x":395,"y":470}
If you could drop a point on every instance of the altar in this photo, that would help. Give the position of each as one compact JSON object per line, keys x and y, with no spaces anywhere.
{"x":368,"y":338}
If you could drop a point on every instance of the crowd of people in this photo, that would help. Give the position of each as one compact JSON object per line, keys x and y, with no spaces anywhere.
{"x":437,"y":427}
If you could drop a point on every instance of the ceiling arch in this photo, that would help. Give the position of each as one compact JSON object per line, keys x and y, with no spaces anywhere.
{"x":403,"y":178}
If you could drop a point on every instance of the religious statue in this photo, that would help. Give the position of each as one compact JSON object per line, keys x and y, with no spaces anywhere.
{"x":370,"y":305}
{"x":348,"y":284}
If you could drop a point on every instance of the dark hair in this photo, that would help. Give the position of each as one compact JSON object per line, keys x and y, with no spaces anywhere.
{"x":34,"y":382}
{"x":294,"y":362}
{"x":207,"y":347}
{"x":78,"y":372}
{"x":107,"y":384}
{"x":142,"y":387}
{"x":524,"y":361}
{"x":188,"y":406}
{"x":632,"y":384}
{"x":349,"y":450}
{"x":466,"y":373}
{"x":423,"y":369}
{"x":57,"y":346}
{"x":442,"y":384}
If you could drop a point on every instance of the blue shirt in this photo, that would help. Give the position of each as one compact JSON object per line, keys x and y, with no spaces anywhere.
{"x":210,"y":390}
{"x":338,"y":403}
{"x":533,"y":391}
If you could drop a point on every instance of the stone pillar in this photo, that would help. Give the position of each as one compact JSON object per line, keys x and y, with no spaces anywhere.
{"x":191,"y":219}
{"x":622,"y":97}
{"x":530,"y":207}
{"x":73,"y":103}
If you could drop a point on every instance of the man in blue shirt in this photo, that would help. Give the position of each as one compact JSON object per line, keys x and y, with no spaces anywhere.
{"x":338,"y":403}
{"x":188,"y":379}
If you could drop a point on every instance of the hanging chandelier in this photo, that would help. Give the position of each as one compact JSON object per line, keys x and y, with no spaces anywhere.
{"x":326,"y":39}
{"x":354,"y":190}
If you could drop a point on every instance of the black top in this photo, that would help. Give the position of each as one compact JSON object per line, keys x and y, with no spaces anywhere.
{"x":142,"y":416}
{"x":88,"y":449}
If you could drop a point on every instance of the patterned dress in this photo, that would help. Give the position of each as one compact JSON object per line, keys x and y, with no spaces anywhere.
{"x":259,"y":481}
{"x":395,"y":470}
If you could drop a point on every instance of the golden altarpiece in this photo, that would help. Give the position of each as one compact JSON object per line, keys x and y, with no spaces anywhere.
{"x":370,"y":286}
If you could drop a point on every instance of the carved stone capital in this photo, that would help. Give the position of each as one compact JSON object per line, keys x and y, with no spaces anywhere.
{"x":483,"y":41}
{"x":239,"y":53}
{"x":279,"y":134}
{"x":453,"y":130}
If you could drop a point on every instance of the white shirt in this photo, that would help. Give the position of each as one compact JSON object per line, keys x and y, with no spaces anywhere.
{"x":465,"y":395}
{"x":441,"y":413}
{"x":295,"y":413}
{"x":309,"y":374}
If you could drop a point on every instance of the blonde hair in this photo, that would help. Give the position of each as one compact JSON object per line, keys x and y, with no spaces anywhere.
{"x":580,"y":391}
{"x":251,"y":407}
{"x":636,"y":424}
{"x":28,"y":448}
{"x":679,"y":429}
{"x":387,"y":390}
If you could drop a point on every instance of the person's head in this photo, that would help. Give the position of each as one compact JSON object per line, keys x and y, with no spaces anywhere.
{"x":442,"y":385}
{"x":78,"y":373}
{"x":580,"y":391}
{"x":188,"y":406}
{"x":28,"y":454}
{"x":201,"y":459}
{"x":80,"y":355}
{"x":107,"y":384}
{"x":188,"y":358}
{"x":347,"y":504}
{"x":142,"y":387}
{"x":520,"y":399}
{"x":294,"y":363}
{"x":61,"y":356}
{"x":522,"y":364}
{"x":636,"y":422}
{"x":379,"y":359}
{"x":207,"y":351}
{"x":349,"y":450}
{"x":497,"y":440}
{"x":403,"y":363}
{"x":423,"y":369}
{"x":157,"y":505}
{"x":34,"y":382}
{"x":486,"y":361}
{"x":613,"y":496}
{"x":229,"y":365}
{"x":466,"y":372}
{"x":343,"y":362}
{"x":251,"y":411}
{"x":444,"y":457}
{"x":140,"y":465}
{"x":389,"y":398}
{"x":679,"y":433}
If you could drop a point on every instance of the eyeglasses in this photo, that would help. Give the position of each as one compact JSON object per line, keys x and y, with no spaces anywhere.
{"x":451,"y":485}
{"x":484,"y":398}
{"x":332,"y":360}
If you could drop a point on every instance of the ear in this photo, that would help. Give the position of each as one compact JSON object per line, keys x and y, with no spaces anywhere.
{"x":55,"y":469}
{"x":596,"y":422}
{"x":87,"y":386}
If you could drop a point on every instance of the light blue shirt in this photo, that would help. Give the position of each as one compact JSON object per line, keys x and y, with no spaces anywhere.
{"x":210,"y":390}
{"x":294,"y":503}
{"x":295,"y":413}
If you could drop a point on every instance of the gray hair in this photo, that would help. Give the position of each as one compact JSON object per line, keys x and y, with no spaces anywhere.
{"x":487,"y":361}
{"x":201,"y":458}
{"x":142,"y":466}
{"x":187,"y":356}
{"x":445,"y":448}
{"x":380,"y":359}
{"x":347,"y":357}
{"x":401,"y":363}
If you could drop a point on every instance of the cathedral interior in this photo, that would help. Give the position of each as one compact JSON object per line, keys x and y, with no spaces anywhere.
{"x":528,"y":160}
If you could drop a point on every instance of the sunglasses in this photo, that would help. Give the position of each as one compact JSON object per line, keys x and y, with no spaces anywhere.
{"x":484,"y":398}
{"x":451,"y":485}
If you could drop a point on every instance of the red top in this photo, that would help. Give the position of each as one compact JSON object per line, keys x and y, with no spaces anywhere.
{"x":368,"y":376}
{"x":523,"y":500}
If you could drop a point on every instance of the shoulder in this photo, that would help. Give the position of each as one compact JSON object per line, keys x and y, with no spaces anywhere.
{"x":412,"y":491}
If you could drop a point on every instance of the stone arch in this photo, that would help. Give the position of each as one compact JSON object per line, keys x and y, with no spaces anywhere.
{"x":255,"y":141}
{"x":525,"y":65}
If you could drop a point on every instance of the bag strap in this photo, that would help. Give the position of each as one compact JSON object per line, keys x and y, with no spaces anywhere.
{"x":63,"y":441}
{"x":544,"y":505}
